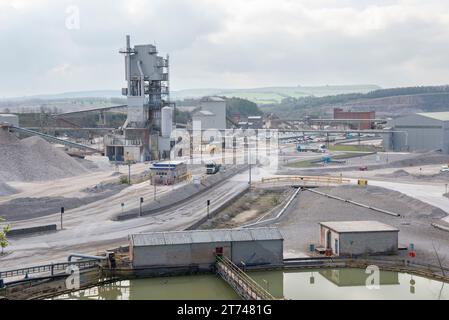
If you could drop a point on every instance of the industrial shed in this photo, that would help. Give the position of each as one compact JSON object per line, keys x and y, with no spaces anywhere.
{"x":257,"y":246}
{"x":346,"y":238}
{"x":425,"y":131}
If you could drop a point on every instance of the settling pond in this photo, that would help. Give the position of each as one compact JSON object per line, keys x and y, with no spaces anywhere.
{"x":328,"y":284}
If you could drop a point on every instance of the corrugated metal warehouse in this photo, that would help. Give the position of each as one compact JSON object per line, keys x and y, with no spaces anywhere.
{"x":421,"y":132}
{"x":358,"y":237}
{"x":257,"y":246}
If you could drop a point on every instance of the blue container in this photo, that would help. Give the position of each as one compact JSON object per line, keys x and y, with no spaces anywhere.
{"x":312,"y":247}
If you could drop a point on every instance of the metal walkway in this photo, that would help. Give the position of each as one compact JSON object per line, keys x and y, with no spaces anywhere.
{"x":244,"y":285}
{"x":53,"y":139}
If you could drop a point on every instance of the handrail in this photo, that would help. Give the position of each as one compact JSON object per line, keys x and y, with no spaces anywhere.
{"x":307,"y":178}
{"x":47,"y":268}
{"x":252,"y":285}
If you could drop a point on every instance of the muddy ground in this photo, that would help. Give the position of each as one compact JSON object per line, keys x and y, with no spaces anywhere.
{"x":300,"y":226}
{"x":251,"y":206}
{"x":29,"y":208}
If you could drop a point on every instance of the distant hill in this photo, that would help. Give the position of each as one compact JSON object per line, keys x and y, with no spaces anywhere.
{"x":387,"y":102}
{"x":70,"y":95}
{"x":258,"y":95}
{"x":270,"y":95}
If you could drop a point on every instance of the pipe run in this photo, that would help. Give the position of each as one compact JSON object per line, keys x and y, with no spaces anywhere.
{"x":85,"y":256}
{"x":356,"y":203}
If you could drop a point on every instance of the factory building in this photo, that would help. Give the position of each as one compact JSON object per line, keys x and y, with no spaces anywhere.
{"x":425,"y":131}
{"x":353,"y":238}
{"x":142,"y":136}
{"x":9,"y":119}
{"x":211,"y":113}
{"x":168,"y":172}
{"x":356,"y":115}
{"x":257,"y":246}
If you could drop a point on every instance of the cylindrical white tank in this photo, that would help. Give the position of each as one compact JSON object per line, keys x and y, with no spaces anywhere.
{"x":166,"y":121}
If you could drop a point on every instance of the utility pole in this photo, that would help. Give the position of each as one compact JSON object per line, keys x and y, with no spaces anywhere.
{"x":140,"y":211}
{"x":154,"y":186}
{"x":62,"y":212}
{"x":249,"y":164}
{"x":129,"y":172}
{"x":208,"y":205}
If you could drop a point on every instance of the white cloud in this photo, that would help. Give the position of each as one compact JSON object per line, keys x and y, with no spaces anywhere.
{"x":225,"y":43}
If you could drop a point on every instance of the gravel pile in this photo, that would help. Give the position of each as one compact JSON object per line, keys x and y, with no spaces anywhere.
{"x":397,"y":174}
{"x":34,"y":159}
{"x":6,"y":190}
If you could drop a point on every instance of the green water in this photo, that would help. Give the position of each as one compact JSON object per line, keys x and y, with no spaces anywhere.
{"x":325,"y":284}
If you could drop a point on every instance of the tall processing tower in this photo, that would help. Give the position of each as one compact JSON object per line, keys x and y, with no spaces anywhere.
{"x":142,"y":136}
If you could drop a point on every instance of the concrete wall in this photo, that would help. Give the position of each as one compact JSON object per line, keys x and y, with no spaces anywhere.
{"x":369,"y":243}
{"x":258,"y":252}
{"x":323,"y":238}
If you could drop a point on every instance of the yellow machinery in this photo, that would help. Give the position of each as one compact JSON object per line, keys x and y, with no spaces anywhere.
{"x":362,"y":182}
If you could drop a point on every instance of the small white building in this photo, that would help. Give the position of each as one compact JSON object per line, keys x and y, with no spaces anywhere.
{"x":346,"y":238}
{"x":168,"y":172}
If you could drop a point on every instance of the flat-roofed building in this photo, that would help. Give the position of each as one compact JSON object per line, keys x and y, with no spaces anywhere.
{"x":168,"y":172}
{"x":355,"y":238}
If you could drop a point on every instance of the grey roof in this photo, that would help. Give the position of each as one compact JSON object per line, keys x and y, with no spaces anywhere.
{"x":204,"y":236}
{"x":358,"y":226}
{"x":442,"y":116}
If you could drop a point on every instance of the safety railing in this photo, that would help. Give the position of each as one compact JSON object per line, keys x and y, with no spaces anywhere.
{"x":243,"y":284}
{"x":51,"y":269}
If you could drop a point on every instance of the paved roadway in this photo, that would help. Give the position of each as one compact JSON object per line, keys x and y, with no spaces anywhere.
{"x":426,"y":192}
{"x":89,"y":228}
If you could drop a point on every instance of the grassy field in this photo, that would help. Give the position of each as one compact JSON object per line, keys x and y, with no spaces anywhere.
{"x":275,"y":94}
{"x":352,"y":148}
{"x":313,"y":163}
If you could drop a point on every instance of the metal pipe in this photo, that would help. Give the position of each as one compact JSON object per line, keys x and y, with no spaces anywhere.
{"x":142,"y":78}
{"x":85,"y":256}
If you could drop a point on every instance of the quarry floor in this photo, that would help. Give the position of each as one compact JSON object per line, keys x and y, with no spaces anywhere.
{"x":89,"y":228}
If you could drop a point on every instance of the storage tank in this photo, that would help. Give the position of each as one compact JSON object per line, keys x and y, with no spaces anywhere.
{"x":167,"y":121}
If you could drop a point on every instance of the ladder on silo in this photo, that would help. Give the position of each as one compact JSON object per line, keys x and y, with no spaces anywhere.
{"x":243,"y":285}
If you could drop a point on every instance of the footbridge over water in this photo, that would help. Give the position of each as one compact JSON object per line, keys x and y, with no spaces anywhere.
{"x":243,"y":285}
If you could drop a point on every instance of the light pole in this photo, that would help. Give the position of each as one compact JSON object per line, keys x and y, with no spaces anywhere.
{"x":129,"y":172}
{"x":154,"y":186}
{"x":249,"y":164}
{"x":62,"y":212}
{"x":208,"y":206}
{"x":140,"y":211}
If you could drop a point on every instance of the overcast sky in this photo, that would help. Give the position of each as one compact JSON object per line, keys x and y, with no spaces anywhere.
{"x":224,"y":43}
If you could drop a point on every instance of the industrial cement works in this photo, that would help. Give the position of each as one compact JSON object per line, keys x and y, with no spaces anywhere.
{"x":255,"y":203}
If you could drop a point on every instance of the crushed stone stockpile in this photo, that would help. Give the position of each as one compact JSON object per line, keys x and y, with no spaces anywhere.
{"x":34,"y":159}
{"x":6,"y":190}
